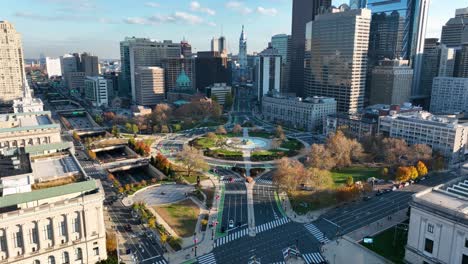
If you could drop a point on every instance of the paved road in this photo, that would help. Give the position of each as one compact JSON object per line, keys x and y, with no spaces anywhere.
{"x":353,"y":216}
{"x":235,"y":205}
{"x":265,"y":206}
{"x":164,"y":194}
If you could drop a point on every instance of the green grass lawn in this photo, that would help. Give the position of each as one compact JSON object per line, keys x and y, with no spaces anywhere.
{"x":358,"y":173}
{"x":205,"y":143}
{"x":390,"y":245}
{"x":181,"y":216}
{"x":260,"y":134}
{"x":193,"y":178}
{"x":305,"y":201}
{"x":292,"y":144}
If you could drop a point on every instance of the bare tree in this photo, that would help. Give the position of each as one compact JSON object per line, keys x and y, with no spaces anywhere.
{"x":289,"y":173}
{"x":237,"y":129}
{"x":320,"y":158}
{"x":192,"y":160}
{"x":279,"y":133}
{"x":419,"y":152}
{"x":394,"y":150}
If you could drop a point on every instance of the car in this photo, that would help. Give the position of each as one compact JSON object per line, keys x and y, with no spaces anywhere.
{"x":128,"y":227}
{"x":231,"y":223}
{"x":379,"y":192}
{"x":406,"y":184}
{"x":366,"y":198}
{"x":394,"y":188}
{"x":423,"y":179}
{"x":231,"y":179}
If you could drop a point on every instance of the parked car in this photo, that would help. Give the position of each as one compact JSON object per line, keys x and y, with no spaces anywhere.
{"x":231,"y":223}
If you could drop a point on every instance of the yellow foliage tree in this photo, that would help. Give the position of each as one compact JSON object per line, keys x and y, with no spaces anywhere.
{"x":422,"y":169}
{"x":152,"y":222}
{"x":403,"y":174}
{"x":413,"y":173}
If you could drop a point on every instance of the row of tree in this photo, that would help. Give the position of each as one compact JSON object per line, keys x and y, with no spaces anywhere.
{"x":139,"y":147}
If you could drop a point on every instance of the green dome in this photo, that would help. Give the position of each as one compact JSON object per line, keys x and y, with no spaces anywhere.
{"x":183,"y":81}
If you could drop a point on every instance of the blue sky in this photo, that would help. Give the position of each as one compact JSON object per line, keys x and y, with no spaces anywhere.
{"x":54,"y":27}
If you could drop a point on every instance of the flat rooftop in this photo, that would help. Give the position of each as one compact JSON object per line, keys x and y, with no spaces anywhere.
{"x":15,"y":165}
{"x":54,"y":167}
{"x":25,"y":121}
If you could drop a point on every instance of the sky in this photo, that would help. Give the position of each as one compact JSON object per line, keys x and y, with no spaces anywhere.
{"x":55,"y":27}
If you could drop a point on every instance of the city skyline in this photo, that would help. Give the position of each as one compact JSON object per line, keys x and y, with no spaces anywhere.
{"x":196,"y":21}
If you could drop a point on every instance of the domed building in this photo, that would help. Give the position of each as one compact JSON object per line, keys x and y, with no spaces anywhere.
{"x":183,"y":91}
{"x":183,"y":82}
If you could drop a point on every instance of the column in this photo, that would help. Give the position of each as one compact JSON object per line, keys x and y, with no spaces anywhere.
{"x":84,"y":229}
{"x":10,"y":242}
{"x":41,"y":243}
{"x":69,"y":227}
{"x":25,"y":231}
{"x":55,"y":230}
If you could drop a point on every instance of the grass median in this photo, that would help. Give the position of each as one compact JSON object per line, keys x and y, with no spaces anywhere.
{"x":181,"y":216}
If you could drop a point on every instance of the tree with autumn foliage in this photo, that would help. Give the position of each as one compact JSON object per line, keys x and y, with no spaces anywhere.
{"x":320,"y":157}
{"x":289,"y":174}
{"x":237,"y":129}
{"x":413,"y":173}
{"x":422,"y":169}
{"x":192,"y":160}
{"x":220,"y":130}
{"x":92,"y":155}
{"x":403,"y":174}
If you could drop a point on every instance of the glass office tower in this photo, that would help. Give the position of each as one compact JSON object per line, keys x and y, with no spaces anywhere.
{"x":398,"y":29}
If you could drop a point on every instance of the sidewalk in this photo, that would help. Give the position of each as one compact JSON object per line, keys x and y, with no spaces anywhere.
{"x":345,"y":250}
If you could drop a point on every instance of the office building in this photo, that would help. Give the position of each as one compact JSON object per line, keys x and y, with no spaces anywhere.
{"x":219,"y":45}
{"x":210,"y":67}
{"x":462,"y":65}
{"x":391,"y":82}
{"x":447,"y":61}
{"x":444,"y":134}
{"x":11,"y":66}
{"x":75,"y":82}
{"x":96,"y":91}
{"x":53,"y":67}
{"x":183,"y":91}
{"x":142,"y":52}
{"x":69,"y":63}
{"x":430,"y":65}
{"x":449,"y":95}
{"x":455,"y":28}
{"x":338,"y":43}
{"x":268,"y":72}
{"x":51,"y":211}
{"x":28,"y":129}
{"x":89,"y":64}
{"x":172,"y":69}
{"x":149,"y":86}
{"x":438,"y":225}
{"x":356,"y":4}
{"x":366,"y":122}
{"x":282,"y":43}
{"x":112,"y":84}
{"x":397,"y":31}
{"x":219,"y":91}
{"x":308,"y":113}
{"x":303,"y":11}
{"x":185,"y":49}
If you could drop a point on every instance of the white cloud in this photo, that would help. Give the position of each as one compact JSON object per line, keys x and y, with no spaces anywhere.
{"x":196,"y":6}
{"x":176,"y":17}
{"x":211,"y":24}
{"x":267,"y":11}
{"x":152,"y":4}
{"x":238,"y":7}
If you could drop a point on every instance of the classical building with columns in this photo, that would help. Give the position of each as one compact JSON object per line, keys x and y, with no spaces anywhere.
{"x":28,"y":129}
{"x":46,"y":219}
{"x":438,"y":227}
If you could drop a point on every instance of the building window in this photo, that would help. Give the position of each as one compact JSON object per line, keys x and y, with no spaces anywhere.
{"x":48,"y":231}
{"x":65,"y":258}
{"x":466,"y":243}
{"x":430,"y":228}
{"x":51,"y":260}
{"x":36,"y":262}
{"x":3,"y":246}
{"x":78,"y":254}
{"x":18,"y":237}
{"x":62,"y":228}
{"x":428,"y":245}
{"x":96,"y":251}
{"x":464,"y":259}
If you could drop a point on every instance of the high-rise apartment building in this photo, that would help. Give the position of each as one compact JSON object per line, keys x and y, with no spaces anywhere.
{"x":142,"y":52}
{"x":53,"y":67}
{"x":391,"y":83}
{"x":211,"y":67}
{"x":268,"y":71}
{"x":96,"y":90}
{"x":282,"y":43}
{"x":453,"y":31}
{"x":338,"y":45}
{"x":303,"y":11}
{"x":149,"y":86}
{"x":449,"y":95}
{"x":398,"y":29}
{"x":12,"y":65}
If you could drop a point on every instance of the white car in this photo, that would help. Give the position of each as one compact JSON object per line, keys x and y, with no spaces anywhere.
{"x":231,"y":223}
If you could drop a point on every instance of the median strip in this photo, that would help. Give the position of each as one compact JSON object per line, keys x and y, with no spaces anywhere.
{"x":220,"y":213}
{"x":278,"y":203}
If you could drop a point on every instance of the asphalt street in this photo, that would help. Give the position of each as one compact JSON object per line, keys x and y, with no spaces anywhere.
{"x":353,"y":216}
{"x":265,"y":206}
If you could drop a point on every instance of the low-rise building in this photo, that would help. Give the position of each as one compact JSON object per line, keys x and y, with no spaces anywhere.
{"x":443,"y":133}
{"x":365,"y":122}
{"x":96,"y":90}
{"x":308,"y":113}
{"x":219,"y":91}
{"x":49,"y":215}
{"x":449,"y":95}
{"x":438,"y":228}
{"x":28,"y":129}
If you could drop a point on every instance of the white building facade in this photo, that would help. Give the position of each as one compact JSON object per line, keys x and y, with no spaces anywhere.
{"x":449,"y":95}
{"x":149,"y":86}
{"x":53,"y":67}
{"x":308,"y":114}
{"x":268,"y":72}
{"x":96,"y":90}
{"x":220,"y":91}
{"x":438,"y":228}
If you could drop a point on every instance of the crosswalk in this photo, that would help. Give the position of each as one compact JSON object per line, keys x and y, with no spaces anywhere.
{"x":264,"y":181}
{"x":207,"y":259}
{"x":233,"y":180}
{"x":314,"y":258}
{"x":233,"y":236}
{"x":316,"y":233}
{"x":162,"y":261}
{"x":272,"y":224}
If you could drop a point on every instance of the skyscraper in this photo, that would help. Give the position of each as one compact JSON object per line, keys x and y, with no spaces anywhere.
{"x":453,"y":30}
{"x":268,"y":72}
{"x":185,"y":49}
{"x":219,"y":45}
{"x":397,"y":32}
{"x":11,"y":65}
{"x":242,"y":50}
{"x":303,"y":11}
{"x":430,"y":65}
{"x":89,"y":64}
{"x":356,"y":4}
{"x":339,"y":43}
{"x":149,"y":86}
{"x":210,"y":67}
{"x":282,"y":43}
